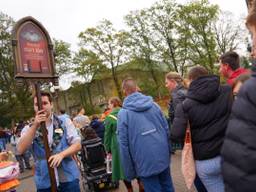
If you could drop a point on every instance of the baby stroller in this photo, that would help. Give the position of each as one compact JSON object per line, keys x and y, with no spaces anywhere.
{"x":94,"y":166}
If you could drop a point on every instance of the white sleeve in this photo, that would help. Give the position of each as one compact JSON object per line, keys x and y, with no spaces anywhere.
{"x":22,"y":134}
{"x":72,"y":134}
{"x":24,"y":130}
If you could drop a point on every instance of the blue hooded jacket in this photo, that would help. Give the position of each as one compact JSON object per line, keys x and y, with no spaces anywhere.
{"x":143,"y":137}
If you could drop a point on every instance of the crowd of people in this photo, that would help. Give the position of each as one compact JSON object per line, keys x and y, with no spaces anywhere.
{"x":138,"y":136}
{"x":140,"y":139}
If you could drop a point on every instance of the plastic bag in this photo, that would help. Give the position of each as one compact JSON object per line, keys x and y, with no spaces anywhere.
{"x":8,"y":171}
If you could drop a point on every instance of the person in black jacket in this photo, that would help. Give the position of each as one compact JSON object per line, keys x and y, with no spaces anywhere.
{"x":239,"y":148}
{"x":98,"y":126}
{"x":207,"y":108}
{"x":176,"y":85}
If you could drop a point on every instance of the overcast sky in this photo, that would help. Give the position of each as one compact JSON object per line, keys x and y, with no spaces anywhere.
{"x":65,"y":19}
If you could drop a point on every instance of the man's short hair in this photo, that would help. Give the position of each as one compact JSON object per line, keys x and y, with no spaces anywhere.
{"x":62,"y":111}
{"x":232,"y":59}
{"x":197,"y":72}
{"x":129,"y":85}
{"x":46,"y":94}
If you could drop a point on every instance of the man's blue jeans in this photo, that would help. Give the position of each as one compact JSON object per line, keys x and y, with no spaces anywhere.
{"x":158,"y":183}
{"x":72,"y":186}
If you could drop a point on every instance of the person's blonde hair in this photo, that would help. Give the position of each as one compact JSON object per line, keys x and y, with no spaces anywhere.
{"x":176,"y":77}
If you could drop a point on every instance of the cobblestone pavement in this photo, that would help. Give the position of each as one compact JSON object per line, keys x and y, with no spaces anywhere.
{"x":27,"y":183}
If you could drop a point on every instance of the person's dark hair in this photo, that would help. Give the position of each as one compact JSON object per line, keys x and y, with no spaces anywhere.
{"x":197,"y":72}
{"x":20,"y":126}
{"x":62,"y":111}
{"x":89,"y":133}
{"x":115,"y":101}
{"x":46,"y":94}
{"x":232,"y":59}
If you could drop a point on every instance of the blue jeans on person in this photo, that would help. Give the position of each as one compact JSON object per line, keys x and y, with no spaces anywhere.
{"x":210,"y":174}
{"x":2,"y":144}
{"x":161,"y":182}
{"x":72,"y":186}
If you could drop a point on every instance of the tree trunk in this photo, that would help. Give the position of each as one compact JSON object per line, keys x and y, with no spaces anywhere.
{"x":88,"y":86}
{"x":172,"y":54}
{"x":154,"y":76}
{"x":117,"y":85}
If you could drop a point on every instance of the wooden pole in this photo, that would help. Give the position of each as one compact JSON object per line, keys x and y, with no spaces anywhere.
{"x":45,"y":139}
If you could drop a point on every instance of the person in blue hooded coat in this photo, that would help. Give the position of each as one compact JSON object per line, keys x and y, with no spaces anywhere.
{"x":143,"y":140}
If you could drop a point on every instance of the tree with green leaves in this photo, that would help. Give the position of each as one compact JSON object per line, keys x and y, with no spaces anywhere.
{"x":110,"y":46}
{"x":15,"y":102}
{"x":171,"y":45}
{"x":196,"y":21}
{"x":87,"y":65}
{"x":62,"y":57}
{"x":143,"y":44}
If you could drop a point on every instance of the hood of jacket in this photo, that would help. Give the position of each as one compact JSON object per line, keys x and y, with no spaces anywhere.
{"x":204,"y":89}
{"x":138,"y":102}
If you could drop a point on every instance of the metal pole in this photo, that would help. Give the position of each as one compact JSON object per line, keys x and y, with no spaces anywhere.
{"x":45,"y":139}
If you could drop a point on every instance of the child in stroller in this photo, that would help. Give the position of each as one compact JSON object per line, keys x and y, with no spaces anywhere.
{"x":93,"y":157}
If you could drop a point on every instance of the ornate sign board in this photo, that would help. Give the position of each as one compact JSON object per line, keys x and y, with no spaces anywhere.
{"x":33,"y":55}
{"x":33,"y":50}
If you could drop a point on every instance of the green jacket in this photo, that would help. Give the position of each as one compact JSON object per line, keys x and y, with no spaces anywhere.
{"x":111,"y":144}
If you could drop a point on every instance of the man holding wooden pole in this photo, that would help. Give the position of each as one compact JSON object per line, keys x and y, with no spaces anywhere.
{"x":53,"y":141}
{"x":63,"y":141}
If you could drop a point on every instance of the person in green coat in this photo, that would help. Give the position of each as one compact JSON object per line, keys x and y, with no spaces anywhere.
{"x":111,"y":143}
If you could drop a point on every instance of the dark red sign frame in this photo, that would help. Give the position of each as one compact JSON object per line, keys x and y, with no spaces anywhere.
{"x":33,"y":50}
{"x":34,"y":61}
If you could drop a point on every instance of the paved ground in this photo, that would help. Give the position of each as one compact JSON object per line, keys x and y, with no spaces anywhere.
{"x":27,"y":182}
